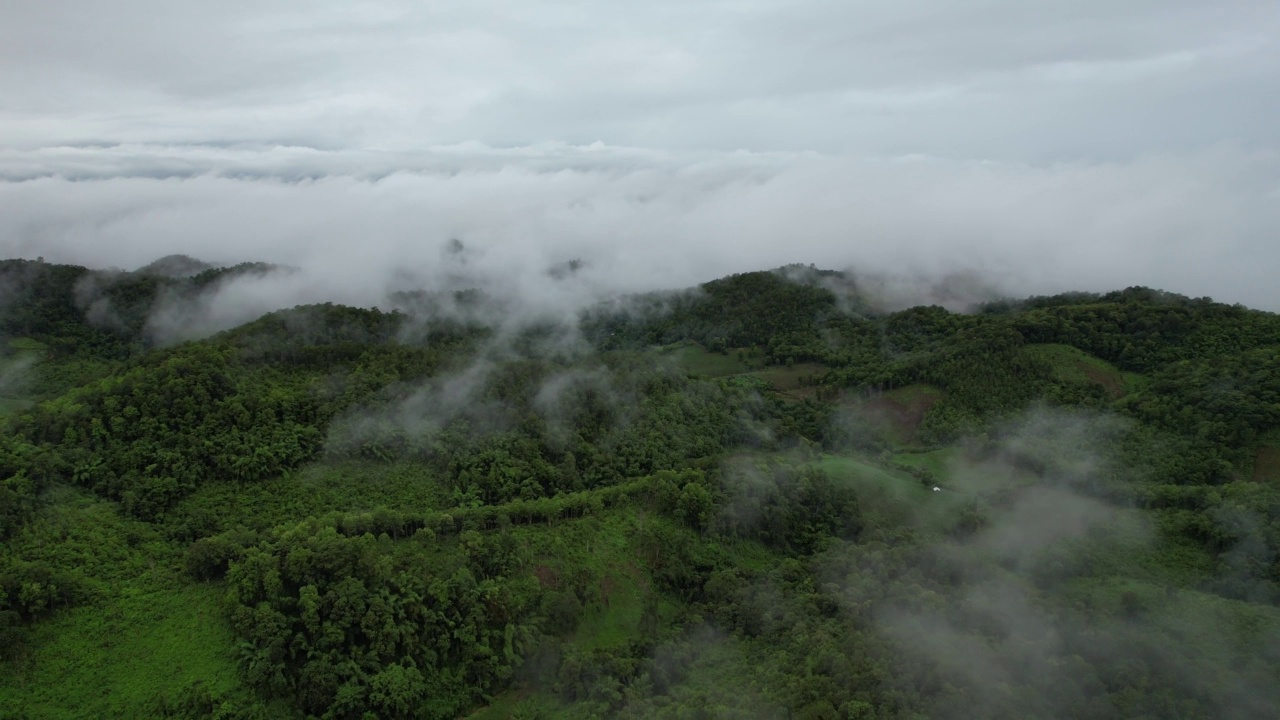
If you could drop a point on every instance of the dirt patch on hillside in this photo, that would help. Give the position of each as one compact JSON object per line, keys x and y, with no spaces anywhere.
{"x":1266,"y":465}
{"x":898,"y":417}
{"x":547,"y":577}
{"x":641,"y":579}
{"x":796,"y":382}
{"x":607,"y":587}
{"x":1110,"y":381}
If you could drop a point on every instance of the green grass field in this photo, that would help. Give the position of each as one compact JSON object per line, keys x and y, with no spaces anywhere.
{"x":111,"y":659}
{"x":604,"y":548}
{"x":697,"y":359}
{"x":16,"y":374}
{"x":28,"y":373}
{"x":787,"y":381}
{"x":318,"y":488}
{"x":22,"y":343}
{"x":143,"y":628}
{"x":9,"y":406}
{"x":1266,"y":459}
{"x":850,"y":469}
{"x":1072,"y":365}
{"x":939,"y":462}
{"x":900,"y":411}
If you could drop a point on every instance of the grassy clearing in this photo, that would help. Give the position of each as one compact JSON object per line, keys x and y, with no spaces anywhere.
{"x":51,"y":378}
{"x":697,"y":359}
{"x":113,"y":658}
{"x":28,"y":373}
{"x":602,"y":549}
{"x":22,"y":343}
{"x":1134,"y":382}
{"x":16,"y":371}
{"x":104,"y":552}
{"x":1266,"y":459}
{"x":790,"y":381}
{"x":718,"y":671}
{"x":9,"y":406}
{"x":895,"y":415}
{"x":615,"y":621}
{"x":718,"y":674}
{"x":1266,"y":465}
{"x":939,"y":462}
{"x":1208,"y":631}
{"x":860,"y":472}
{"x":141,"y":629}
{"x":504,"y":707}
{"x":890,"y":499}
{"x":349,"y":486}
{"x":1072,"y":365}
{"x":911,"y":394}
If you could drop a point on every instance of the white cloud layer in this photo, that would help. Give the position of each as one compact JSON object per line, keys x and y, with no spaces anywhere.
{"x":989,"y":78}
{"x":1082,"y":146}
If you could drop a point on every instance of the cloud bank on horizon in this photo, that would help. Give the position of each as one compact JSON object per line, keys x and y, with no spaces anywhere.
{"x":1092,"y":146}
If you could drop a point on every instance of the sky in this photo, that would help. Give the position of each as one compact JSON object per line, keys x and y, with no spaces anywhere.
{"x":1037,"y":147}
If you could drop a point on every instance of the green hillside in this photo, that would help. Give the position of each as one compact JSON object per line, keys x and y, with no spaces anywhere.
{"x":752,"y":499}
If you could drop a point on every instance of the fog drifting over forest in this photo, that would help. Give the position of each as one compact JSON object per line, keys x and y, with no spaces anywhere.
{"x":1029,"y":149}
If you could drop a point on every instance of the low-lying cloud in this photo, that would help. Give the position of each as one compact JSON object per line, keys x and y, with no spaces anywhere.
{"x":361,"y":225}
{"x":1036,"y":610}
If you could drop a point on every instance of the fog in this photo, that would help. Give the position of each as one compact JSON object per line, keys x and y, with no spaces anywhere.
{"x":1025,"y":149}
{"x":360,"y":227}
{"x":982,"y":611}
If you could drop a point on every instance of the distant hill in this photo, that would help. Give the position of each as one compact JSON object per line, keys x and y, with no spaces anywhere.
{"x":175,"y":266}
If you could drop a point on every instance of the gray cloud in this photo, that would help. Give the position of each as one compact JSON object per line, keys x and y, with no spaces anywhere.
{"x":995,"y":78}
{"x":1032,"y":149}
{"x":358,"y":223}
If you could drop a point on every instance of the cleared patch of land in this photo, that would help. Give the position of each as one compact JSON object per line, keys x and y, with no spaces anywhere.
{"x":1072,"y":365}
{"x":897,"y":414}
{"x":793,"y":382}
{"x":144,"y":630}
{"x":696,"y":359}
{"x":21,"y":355}
{"x":938,"y":462}
{"x":318,"y":488}
{"x":851,"y":469}
{"x":1266,"y":464}
{"x":111,"y":659}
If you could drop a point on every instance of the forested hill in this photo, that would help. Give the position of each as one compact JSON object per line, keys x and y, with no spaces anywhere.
{"x":763,"y":497}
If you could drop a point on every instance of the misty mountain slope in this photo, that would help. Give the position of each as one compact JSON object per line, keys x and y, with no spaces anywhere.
{"x":242,"y":406}
{"x":113,"y":314}
{"x":767,"y":309}
{"x":175,"y":266}
{"x":761,"y":497}
{"x":73,"y":310}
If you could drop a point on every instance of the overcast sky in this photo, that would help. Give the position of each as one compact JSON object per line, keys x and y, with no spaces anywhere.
{"x":1042,"y":146}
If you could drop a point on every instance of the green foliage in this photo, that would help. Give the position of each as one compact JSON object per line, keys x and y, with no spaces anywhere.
{"x":344,"y":513}
{"x":344,"y":627}
{"x":766,"y":309}
{"x":1141,"y":329}
{"x":117,"y":624}
{"x":152,"y":435}
{"x":797,"y":509}
{"x":534,"y":430}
